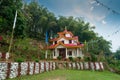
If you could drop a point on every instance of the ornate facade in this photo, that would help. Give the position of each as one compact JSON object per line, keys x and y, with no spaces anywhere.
{"x":66,"y":45}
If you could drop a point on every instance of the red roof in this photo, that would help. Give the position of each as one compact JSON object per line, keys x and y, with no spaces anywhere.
{"x":51,"y":46}
{"x":54,"y":39}
{"x":68,"y":38}
{"x":65,"y":45}
{"x":61,"y":35}
{"x":65,"y":31}
{"x":70,"y":44}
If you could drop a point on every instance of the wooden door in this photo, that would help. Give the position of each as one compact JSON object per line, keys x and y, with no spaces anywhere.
{"x":62,"y":52}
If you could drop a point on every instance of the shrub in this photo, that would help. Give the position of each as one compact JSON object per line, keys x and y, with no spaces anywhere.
{"x":42,"y":54}
{"x":42,"y":57}
{"x":71,"y":58}
{"x":19,"y":60}
{"x":79,"y":58}
{"x":94,"y":58}
{"x":59,"y":57}
{"x":87,"y":58}
{"x":37,"y":60}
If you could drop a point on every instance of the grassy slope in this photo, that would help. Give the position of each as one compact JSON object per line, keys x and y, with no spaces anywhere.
{"x":72,"y":75}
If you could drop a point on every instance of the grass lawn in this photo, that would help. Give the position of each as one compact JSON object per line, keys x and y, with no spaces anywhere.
{"x":71,"y":75}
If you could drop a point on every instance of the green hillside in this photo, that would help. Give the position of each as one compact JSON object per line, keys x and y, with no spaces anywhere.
{"x":32,"y":23}
{"x":72,"y":75}
{"x":34,"y":20}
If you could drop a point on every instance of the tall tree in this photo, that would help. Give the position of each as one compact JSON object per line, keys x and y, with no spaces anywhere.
{"x":7,"y":14}
{"x":39,"y":20}
{"x":117,"y":54}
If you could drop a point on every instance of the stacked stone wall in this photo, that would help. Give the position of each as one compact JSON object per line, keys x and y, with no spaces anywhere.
{"x":14,"y":69}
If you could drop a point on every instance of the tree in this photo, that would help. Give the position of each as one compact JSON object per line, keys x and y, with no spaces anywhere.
{"x":117,"y":54}
{"x":39,"y":20}
{"x":34,"y":20}
{"x":7,"y":14}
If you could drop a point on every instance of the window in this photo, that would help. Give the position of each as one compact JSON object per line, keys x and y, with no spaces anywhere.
{"x":54,"y":53}
{"x":75,"y":53}
{"x":64,"y":35}
{"x":70,"y":53}
{"x":67,"y":35}
{"x":63,"y":42}
{"x":55,"y":42}
{"x":70,"y":41}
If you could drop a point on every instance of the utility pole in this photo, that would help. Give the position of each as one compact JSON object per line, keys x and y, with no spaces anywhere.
{"x":11,"y":40}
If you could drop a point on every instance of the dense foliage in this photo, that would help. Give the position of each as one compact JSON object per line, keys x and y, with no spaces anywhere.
{"x":7,"y":13}
{"x":114,"y":60}
{"x":34,"y":20}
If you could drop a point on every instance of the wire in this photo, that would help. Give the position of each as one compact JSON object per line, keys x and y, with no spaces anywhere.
{"x":105,"y":6}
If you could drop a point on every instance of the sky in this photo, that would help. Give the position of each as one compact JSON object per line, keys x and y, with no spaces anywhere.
{"x":104,"y":14}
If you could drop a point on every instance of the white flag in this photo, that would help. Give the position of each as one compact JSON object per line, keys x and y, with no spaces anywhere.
{"x":15,"y":19}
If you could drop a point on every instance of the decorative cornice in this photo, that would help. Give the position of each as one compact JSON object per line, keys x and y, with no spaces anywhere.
{"x":65,"y":45}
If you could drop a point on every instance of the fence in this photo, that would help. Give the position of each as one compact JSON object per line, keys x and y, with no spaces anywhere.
{"x":81,"y":65}
{"x":15,"y":69}
{"x":4,"y":56}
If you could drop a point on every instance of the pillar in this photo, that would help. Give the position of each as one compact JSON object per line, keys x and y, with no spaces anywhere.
{"x":66,"y":53}
{"x":77,"y":53}
{"x":56,"y":54}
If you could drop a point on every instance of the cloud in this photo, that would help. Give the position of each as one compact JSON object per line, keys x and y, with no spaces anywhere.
{"x":87,"y":13}
{"x":86,"y":10}
{"x":104,"y":22}
{"x":91,"y":8}
{"x":91,"y":24}
{"x":92,"y":2}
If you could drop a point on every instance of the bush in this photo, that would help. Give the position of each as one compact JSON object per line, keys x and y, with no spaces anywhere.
{"x":79,"y":58}
{"x":94,"y":58}
{"x":19,"y":60}
{"x":71,"y":58}
{"x":59,"y":57}
{"x":42,"y":57}
{"x":37,"y":60}
{"x":42,"y":54}
{"x":86,"y":58}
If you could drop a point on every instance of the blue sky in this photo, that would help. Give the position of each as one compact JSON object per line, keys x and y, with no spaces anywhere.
{"x":107,"y":21}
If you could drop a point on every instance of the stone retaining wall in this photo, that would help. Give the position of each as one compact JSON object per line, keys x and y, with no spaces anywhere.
{"x":81,"y":65}
{"x":14,"y":69}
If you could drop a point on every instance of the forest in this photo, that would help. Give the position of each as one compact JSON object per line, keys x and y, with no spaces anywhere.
{"x":34,"y":20}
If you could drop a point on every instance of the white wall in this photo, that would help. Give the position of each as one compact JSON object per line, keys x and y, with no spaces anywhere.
{"x":80,"y":54}
{"x":56,"y":54}
{"x":68,"y":35}
{"x":60,"y":46}
{"x":75,"y":53}
{"x":65,"y":41}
